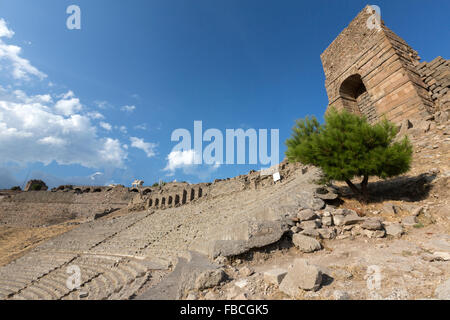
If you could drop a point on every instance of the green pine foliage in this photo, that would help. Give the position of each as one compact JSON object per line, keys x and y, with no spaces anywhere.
{"x":347,"y":146}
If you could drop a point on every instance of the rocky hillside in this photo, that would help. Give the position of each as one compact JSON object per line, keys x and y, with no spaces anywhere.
{"x":251,"y":238}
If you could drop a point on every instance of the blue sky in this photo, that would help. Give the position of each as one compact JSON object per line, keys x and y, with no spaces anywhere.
{"x":99,"y":105}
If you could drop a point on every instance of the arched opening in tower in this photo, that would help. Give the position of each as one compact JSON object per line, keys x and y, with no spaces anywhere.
{"x":356,"y":99}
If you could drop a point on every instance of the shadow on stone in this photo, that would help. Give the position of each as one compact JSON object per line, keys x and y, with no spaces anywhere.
{"x":404,"y":188}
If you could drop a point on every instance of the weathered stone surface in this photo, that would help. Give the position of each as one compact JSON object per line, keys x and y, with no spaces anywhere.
{"x":275,"y":276}
{"x":443,"y":291}
{"x":341,"y":295}
{"x":409,"y":221}
{"x":374,"y":233}
{"x":390,"y":208}
{"x":302,"y":276}
{"x":326,"y":193}
{"x":311,"y":224}
{"x":372,"y":224}
{"x":306,"y":214}
{"x":417,"y":211}
{"x":343,"y":217}
{"x":246,"y":271}
{"x":327,"y":233}
{"x":295,"y":229}
{"x":444,"y":256}
{"x":305,"y":243}
{"x":209,"y":278}
{"x":241,"y":283}
{"x":327,"y":221}
{"x":352,"y":218}
{"x":338,"y":219}
{"x":238,"y":238}
{"x":311,"y":233}
{"x":194,"y":272}
{"x":307,"y":200}
{"x":394,"y":229}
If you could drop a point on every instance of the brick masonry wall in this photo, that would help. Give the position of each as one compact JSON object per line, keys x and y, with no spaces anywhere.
{"x":386,"y":66}
{"x":436,"y":76}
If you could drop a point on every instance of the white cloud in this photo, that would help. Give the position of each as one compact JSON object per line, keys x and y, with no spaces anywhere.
{"x":184,"y":160}
{"x":32,"y":131}
{"x":142,"y":126}
{"x":46,"y":128}
{"x":95,"y":115}
{"x":147,"y":147}
{"x":128,"y":108}
{"x":19,"y":67}
{"x":40,"y":98}
{"x":4,"y":31}
{"x":123,"y":129}
{"x":106,"y":126}
{"x":95,"y":175}
{"x":102,"y":104}
{"x":179,"y":159}
{"x":52,"y":141}
{"x":68,"y":105}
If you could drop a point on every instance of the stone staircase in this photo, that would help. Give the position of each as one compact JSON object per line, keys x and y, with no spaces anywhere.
{"x":118,"y":255}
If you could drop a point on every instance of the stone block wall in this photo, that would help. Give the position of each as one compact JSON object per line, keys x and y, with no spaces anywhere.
{"x":373,"y":73}
{"x":436,"y":76}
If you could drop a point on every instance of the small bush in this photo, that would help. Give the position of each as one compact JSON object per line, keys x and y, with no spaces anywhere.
{"x":36,"y":187}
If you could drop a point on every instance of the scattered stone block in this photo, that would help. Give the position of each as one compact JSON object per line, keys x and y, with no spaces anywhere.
{"x":374,"y":233}
{"x":246,"y":271}
{"x":306,"y":244}
{"x":295,"y":229}
{"x":209,"y":278}
{"x":352,"y":218}
{"x":390,"y":208}
{"x":302,"y":276}
{"x":372,"y":224}
{"x":409,"y":221}
{"x":275,"y":276}
{"x":338,"y":219}
{"x":326,"y":193}
{"x":311,"y":233}
{"x":312,"y":224}
{"x":241,"y":283}
{"x":327,"y":233}
{"x":395,"y":230}
{"x":327,"y":221}
{"x":417,"y":211}
{"x":191,"y":296}
{"x":306,"y":214}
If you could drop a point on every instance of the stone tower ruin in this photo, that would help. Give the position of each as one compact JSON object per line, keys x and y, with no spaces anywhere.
{"x":375,"y":73}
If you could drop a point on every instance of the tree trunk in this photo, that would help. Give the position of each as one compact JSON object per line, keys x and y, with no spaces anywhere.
{"x":353,"y":187}
{"x":364,"y":191}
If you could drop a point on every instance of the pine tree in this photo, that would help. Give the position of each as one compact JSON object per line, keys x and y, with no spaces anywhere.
{"x":347,"y":146}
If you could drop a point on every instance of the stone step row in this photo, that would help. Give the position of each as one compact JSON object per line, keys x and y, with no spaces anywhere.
{"x":101,"y":279}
